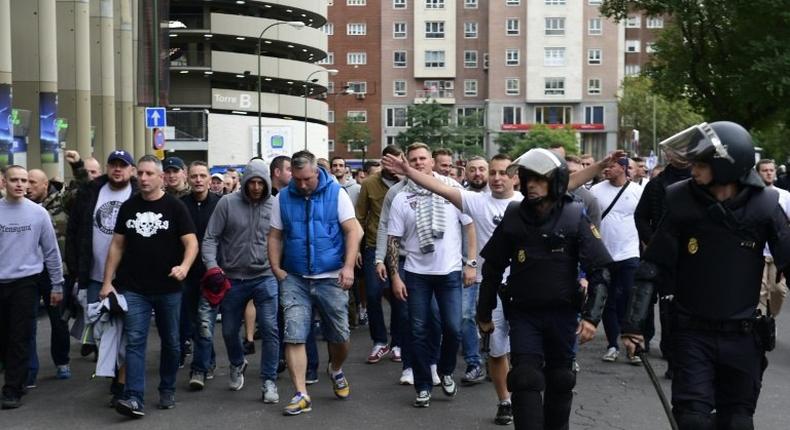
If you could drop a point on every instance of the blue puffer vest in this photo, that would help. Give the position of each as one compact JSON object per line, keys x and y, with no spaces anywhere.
{"x":313,"y":240}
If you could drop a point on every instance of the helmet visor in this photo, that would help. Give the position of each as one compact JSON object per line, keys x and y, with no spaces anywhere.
{"x":540,"y":161}
{"x":696,"y":143}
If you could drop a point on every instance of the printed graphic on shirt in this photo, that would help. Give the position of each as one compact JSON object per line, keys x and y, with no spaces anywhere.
{"x":14,"y":228}
{"x":147,"y":224}
{"x":106,"y":215}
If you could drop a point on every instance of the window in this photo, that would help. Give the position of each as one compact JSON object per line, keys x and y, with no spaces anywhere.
{"x":555,"y":26}
{"x":511,"y":57}
{"x":399,"y":4}
{"x":398,"y":30}
{"x":360,"y":87}
{"x":632,"y":69}
{"x":554,"y":87}
{"x":434,"y":4}
{"x":650,"y":47}
{"x":554,"y":2}
{"x":655,"y":22}
{"x":357,"y":115}
{"x":511,"y":115}
{"x":594,"y":27}
{"x":399,"y":88}
{"x":511,"y":86}
{"x":553,"y":57}
{"x":470,"y":4}
{"x":470,"y":87}
{"x":356,"y":29}
{"x":434,"y":29}
{"x":330,"y":87}
{"x":512,"y":2}
{"x":330,"y":116}
{"x":328,"y":28}
{"x":512,"y":27}
{"x":330,"y":58}
{"x":594,"y":86}
{"x":594,"y":56}
{"x":434,"y":59}
{"x":633,"y":21}
{"x":594,"y":2}
{"x":396,"y":117}
{"x":470,"y":59}
{"x":356,"y":58}
{"x":553,"y":114}
{"x":356,"y":2}
{"x":331,"y":144}
{"x":593,"y":114}
{"x":399,"y":59}
{"x":470,"y":30}
{"x":632,"y":46}
{"x":472,"y":116}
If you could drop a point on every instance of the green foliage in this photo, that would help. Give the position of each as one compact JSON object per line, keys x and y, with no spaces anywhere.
{"x":730,"y":59}
{"x":354,"y":133}
{"x":539,"y":136}
{"x":773,"y":141}
{"x":635,"y":105}
{"x":431,"y":123}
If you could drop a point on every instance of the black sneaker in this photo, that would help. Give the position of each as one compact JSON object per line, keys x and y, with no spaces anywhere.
{"x":423,"y":399}
{"x":504,"y":414}
{"x":87,"y":349}
{"x":187,"y":349}
{"x":249,"y":347}
{"x":281,"y":366}
{"x":311,"y":377}
{"x":10,"y":402}
{"x":130,"y":408}
{"x":167,"y":400}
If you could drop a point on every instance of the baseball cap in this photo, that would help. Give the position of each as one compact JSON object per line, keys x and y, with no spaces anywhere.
{"x":218,"y":176}
{"x":173,"y":163}
{"x":122,"y":155}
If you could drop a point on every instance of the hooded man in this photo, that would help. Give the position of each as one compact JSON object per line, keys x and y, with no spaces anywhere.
{"x":236,"y":241}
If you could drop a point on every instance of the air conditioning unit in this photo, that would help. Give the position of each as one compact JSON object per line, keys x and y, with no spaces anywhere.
{"x":360,"y":96}
{"x":448,"y":85}
{"x":485,"y":61}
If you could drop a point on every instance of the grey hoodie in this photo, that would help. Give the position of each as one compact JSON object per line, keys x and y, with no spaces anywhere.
{"x":352,"y":188}
{"x":235,"y":238}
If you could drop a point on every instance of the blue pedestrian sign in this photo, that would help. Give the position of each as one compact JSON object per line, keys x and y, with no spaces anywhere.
{"x":155,"y":117}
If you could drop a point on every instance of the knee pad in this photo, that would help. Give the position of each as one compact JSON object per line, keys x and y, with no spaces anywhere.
{"x":525,"y":378}
{"x":734,"y":422}
{"x":694,"y":421}
{"x":560,"y":379}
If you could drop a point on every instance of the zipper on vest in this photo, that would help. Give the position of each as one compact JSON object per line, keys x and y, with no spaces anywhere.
{"x":307,"y":207}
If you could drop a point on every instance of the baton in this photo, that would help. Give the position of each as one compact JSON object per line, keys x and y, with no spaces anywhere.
{"x":657,"y":385}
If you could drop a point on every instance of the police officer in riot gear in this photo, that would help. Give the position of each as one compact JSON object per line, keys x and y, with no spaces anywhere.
{"x":707,"y":257}
{"x":542,"y":240}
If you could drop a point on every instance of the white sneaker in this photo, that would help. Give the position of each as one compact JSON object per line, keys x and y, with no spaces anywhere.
{"x":269,"y":392}
{"x":611,"y":355}
{"x":634,"y":360}
{"x":407,"y":377}
{"x":435,"y":376}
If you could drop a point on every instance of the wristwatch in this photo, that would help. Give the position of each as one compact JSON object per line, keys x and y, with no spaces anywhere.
{"x":472,"y":263}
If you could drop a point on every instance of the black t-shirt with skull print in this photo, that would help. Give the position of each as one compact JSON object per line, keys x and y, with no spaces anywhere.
{"x":153,"y":231}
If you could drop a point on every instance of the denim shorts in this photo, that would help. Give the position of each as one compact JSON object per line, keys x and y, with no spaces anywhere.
{"x":298,"y":296}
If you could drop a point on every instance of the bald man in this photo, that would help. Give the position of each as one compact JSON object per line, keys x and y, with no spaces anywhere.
{"x":93,"y":167}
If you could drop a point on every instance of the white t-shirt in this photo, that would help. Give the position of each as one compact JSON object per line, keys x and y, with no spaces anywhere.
{"x":107,"y":206}
{"x":446,"y":257}
{"x":487,"y":212}
{"x":345,"y":211}
{"x":784,"y":203}
{"x":618,"y":230}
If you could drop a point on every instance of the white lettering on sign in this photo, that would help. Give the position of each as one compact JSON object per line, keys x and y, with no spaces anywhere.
{"x":245,"y":101}
{"x":221,"y":98}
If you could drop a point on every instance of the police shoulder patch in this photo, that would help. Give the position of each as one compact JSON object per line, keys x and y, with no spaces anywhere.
{"x":522,"y":256}
{"x":693,"y":246}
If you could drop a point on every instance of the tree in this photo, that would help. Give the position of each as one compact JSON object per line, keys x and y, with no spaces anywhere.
{"x":636,"y":103}
{"x":730,"y":59}
{"x":431,"y":123}
{"x":773,"y":141}
{"x":355,"y":134}
{"x":539,"y":136}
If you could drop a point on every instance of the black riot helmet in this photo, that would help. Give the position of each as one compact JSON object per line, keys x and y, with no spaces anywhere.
{"x":546,"y":164}
{"x":725,"y":146}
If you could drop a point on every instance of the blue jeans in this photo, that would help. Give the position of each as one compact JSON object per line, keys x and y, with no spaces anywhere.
{"x":421,"y":290}
{"x":264,"y":295}
{"x":300,"y":294}
{"x":470,"y":342}
{"x":619,"y":288}
{"x":374,"y":288}
{"x":167,"y":308}
{"x":204,"y":357}
{"x":189,"y":306}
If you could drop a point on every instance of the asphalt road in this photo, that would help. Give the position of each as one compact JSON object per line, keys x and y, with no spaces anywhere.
{"x":609,"y":396}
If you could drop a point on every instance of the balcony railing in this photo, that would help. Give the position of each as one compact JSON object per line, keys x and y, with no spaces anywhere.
{"x":435,"y":94}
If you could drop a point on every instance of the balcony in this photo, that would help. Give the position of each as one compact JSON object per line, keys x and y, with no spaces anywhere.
{"x":444,"y":96}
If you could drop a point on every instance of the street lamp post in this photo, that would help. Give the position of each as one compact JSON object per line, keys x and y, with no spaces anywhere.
{"x":331,"y":72}
{"x":295,"y":24}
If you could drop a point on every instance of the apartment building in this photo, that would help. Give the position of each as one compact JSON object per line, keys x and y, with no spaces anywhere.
{"x":641,"y":32}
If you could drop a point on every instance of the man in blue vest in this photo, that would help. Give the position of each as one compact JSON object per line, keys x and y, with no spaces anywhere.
{"x":316,"y":268}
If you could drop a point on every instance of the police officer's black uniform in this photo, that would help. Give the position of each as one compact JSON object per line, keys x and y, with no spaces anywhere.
{"x":707,"y":255}
{"x":542,"y":298}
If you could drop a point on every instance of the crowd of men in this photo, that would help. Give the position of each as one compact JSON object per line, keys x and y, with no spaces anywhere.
{"x":280,"y":248}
